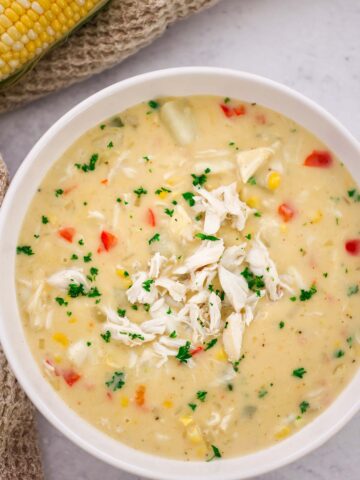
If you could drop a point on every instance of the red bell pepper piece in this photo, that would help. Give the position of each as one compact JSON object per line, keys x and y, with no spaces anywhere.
{"x":319,"y":158}
{"x":67,"y":233}
{"x":151,"y":218}
{"x":108,"y":240}
{"x":286,"y":212}
{"x":70,"y":377}
{"x":353,"y":246}
{"x":196,"y":350}
{"x":231,"y":111}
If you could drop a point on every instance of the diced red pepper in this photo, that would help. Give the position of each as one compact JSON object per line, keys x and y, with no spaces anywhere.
{"x":151,"y":218}
{"x":231,"y":111}
{"x":108,"y":240}
{"x":260,"y":119}
{"x":109,"y":395}
{"x":197,"y":350}
{"x":140,"y":395}
{"x":286,"y":212}
{"x":319,"y":158}
{"x":353,"y":246}
{"x":104,"y":181}
{"x":69,"y":189}
{"x":67,"y":233}
{"x":70,"y":377}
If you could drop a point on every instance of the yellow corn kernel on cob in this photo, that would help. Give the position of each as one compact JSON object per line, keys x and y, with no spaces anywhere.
{"x":29,"y":28}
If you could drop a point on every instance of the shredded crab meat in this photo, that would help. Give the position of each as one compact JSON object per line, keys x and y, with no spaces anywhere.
{"x":176,"y":289}
{"x":262,"y":265}
{"x":218,"y":204}
{"x":233,"y":257}
{"x":232,"y":336}
{"x":125,"y":331}
{"x":64,"y":278}
{"x":141,"y":292}
{"x":209,"y":252}
{"x":249,"y":161}
{"x":235,"y":288}
{"x":155,"y":264}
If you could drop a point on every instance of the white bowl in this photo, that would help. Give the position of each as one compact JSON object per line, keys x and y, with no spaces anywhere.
{"x":111,"y":100}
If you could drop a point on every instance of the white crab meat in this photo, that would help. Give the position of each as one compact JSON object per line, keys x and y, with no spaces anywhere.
{"x":235,"y":288}
{"x":209,"y":252}
{"x":232,"y":336}
{"x":181,"y":225}
{"x":64,"y":278}
{"x":78,"y":352}
{"x":261,"y":264}
{"x":155,"y":264}
{"x":142,"y":290}
{"x":176,"y":289}
{"x":233,"y":257}
{"x":214,"y":313}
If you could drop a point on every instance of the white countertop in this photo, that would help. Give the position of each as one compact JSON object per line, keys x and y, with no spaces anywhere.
{"x":310,"y":45}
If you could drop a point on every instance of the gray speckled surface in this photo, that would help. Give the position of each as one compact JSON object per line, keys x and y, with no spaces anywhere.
{"x":312,"y":46}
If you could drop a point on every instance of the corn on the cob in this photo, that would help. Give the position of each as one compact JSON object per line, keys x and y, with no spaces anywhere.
{"x":29,"y":28}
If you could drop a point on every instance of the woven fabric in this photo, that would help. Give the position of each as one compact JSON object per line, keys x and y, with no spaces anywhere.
{"x":118,"y":31}
{"x":19,"y":452}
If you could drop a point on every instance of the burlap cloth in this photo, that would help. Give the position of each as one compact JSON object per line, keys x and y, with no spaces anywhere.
{"x":121,"y":29}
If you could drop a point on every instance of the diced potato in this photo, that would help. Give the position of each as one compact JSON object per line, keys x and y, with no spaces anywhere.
{"x":177,"y":116}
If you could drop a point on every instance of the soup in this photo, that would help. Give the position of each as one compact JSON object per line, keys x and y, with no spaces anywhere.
{"x":188,"y":277}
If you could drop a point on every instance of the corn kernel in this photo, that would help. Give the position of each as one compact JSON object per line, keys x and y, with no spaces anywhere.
{"x":186,"y":420}
{"x":283,"y":228}
{"x":167,"y":403}
{"x":194,"y":434}
{"x":273,"y":180}
{"x":12,"y":16}
{"x":253,"y":202}
{"x":283,"y":433}
{"x":221,"y":355}
{"x":72,"y":320}
{"x":5,"y":21}
{"x":173,"y":180}
{"x":163,"y":195}
{"x":124,"y":401}
{"x":61,"y":338}
{"x":317,"y":217}
{"x":57,"y":358}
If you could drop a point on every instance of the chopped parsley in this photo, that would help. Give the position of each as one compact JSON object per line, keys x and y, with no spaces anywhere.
{"x":257,"y":214}
{"x":146,"y":307}
{"x":117,"y":381}
{"x":252,"y":181}
{"x":202,"y":236}
{"x":189,"y":197}
{"x":299,"y":372}
{"x":216,"y":453}
{"x":87,"y":258}
{"x":193,"y":406}
{"x":248,"y":236}
{"x":146,"y":158}
{"x":281,"y":324}
{"x":339,"y":353}
{"x":74,"y":257}
{"x":110,"y":144}
{"x":354,"y":194}
{"x":121,"y":312}
{"x":155,"y":238}
{"x":75,"y":290}
{"x":102,"y":126}
{"x":58,"y":192}
{"x":262,"y":393}
{"x":88,"y":167}
{"x":183,"y":354}
{"x":350,"y":341}
{"x":88,"y":344}
{"x":199,"y":180}
{"x":93,"y":292}
{"x":307,"y":294}
{"x":106,"y":336}
{"x":61,"y":301}
{"x":81,"y":241}
{"x":146,"y":285}
{"x":133,"y":336}
{"x":304,"y":405}
{"x":44,"y":219}
{"x":169,"y":212}
{"x":154,"y":104}
{"x":292,"y":299}
{"x":201,"y":395}
{"x":210,"y":344}
{"x":352,"y":290}
{"x":173,"y":334}
{"x":25,"y":249}
{"x":162,"y":189}
{"x":93,"y":272}
{"x":134,"y":307}
{"x":140,"y":191}
{"x":255,"y":282}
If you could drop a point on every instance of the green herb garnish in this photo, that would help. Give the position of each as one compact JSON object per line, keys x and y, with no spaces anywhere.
{"x":25,"y":249}
{"x":117,"y":381}
{"x":299,"y":372}
{"x":189,"y":197}
{"x":202,"y":236}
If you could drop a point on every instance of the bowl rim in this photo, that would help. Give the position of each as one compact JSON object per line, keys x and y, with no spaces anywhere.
{"x":150,"y":465}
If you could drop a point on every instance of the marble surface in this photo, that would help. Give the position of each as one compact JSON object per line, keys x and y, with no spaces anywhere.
{"x":312,"y":46}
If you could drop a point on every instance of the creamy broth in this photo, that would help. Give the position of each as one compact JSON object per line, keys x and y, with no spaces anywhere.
{"x":235,"y":234}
